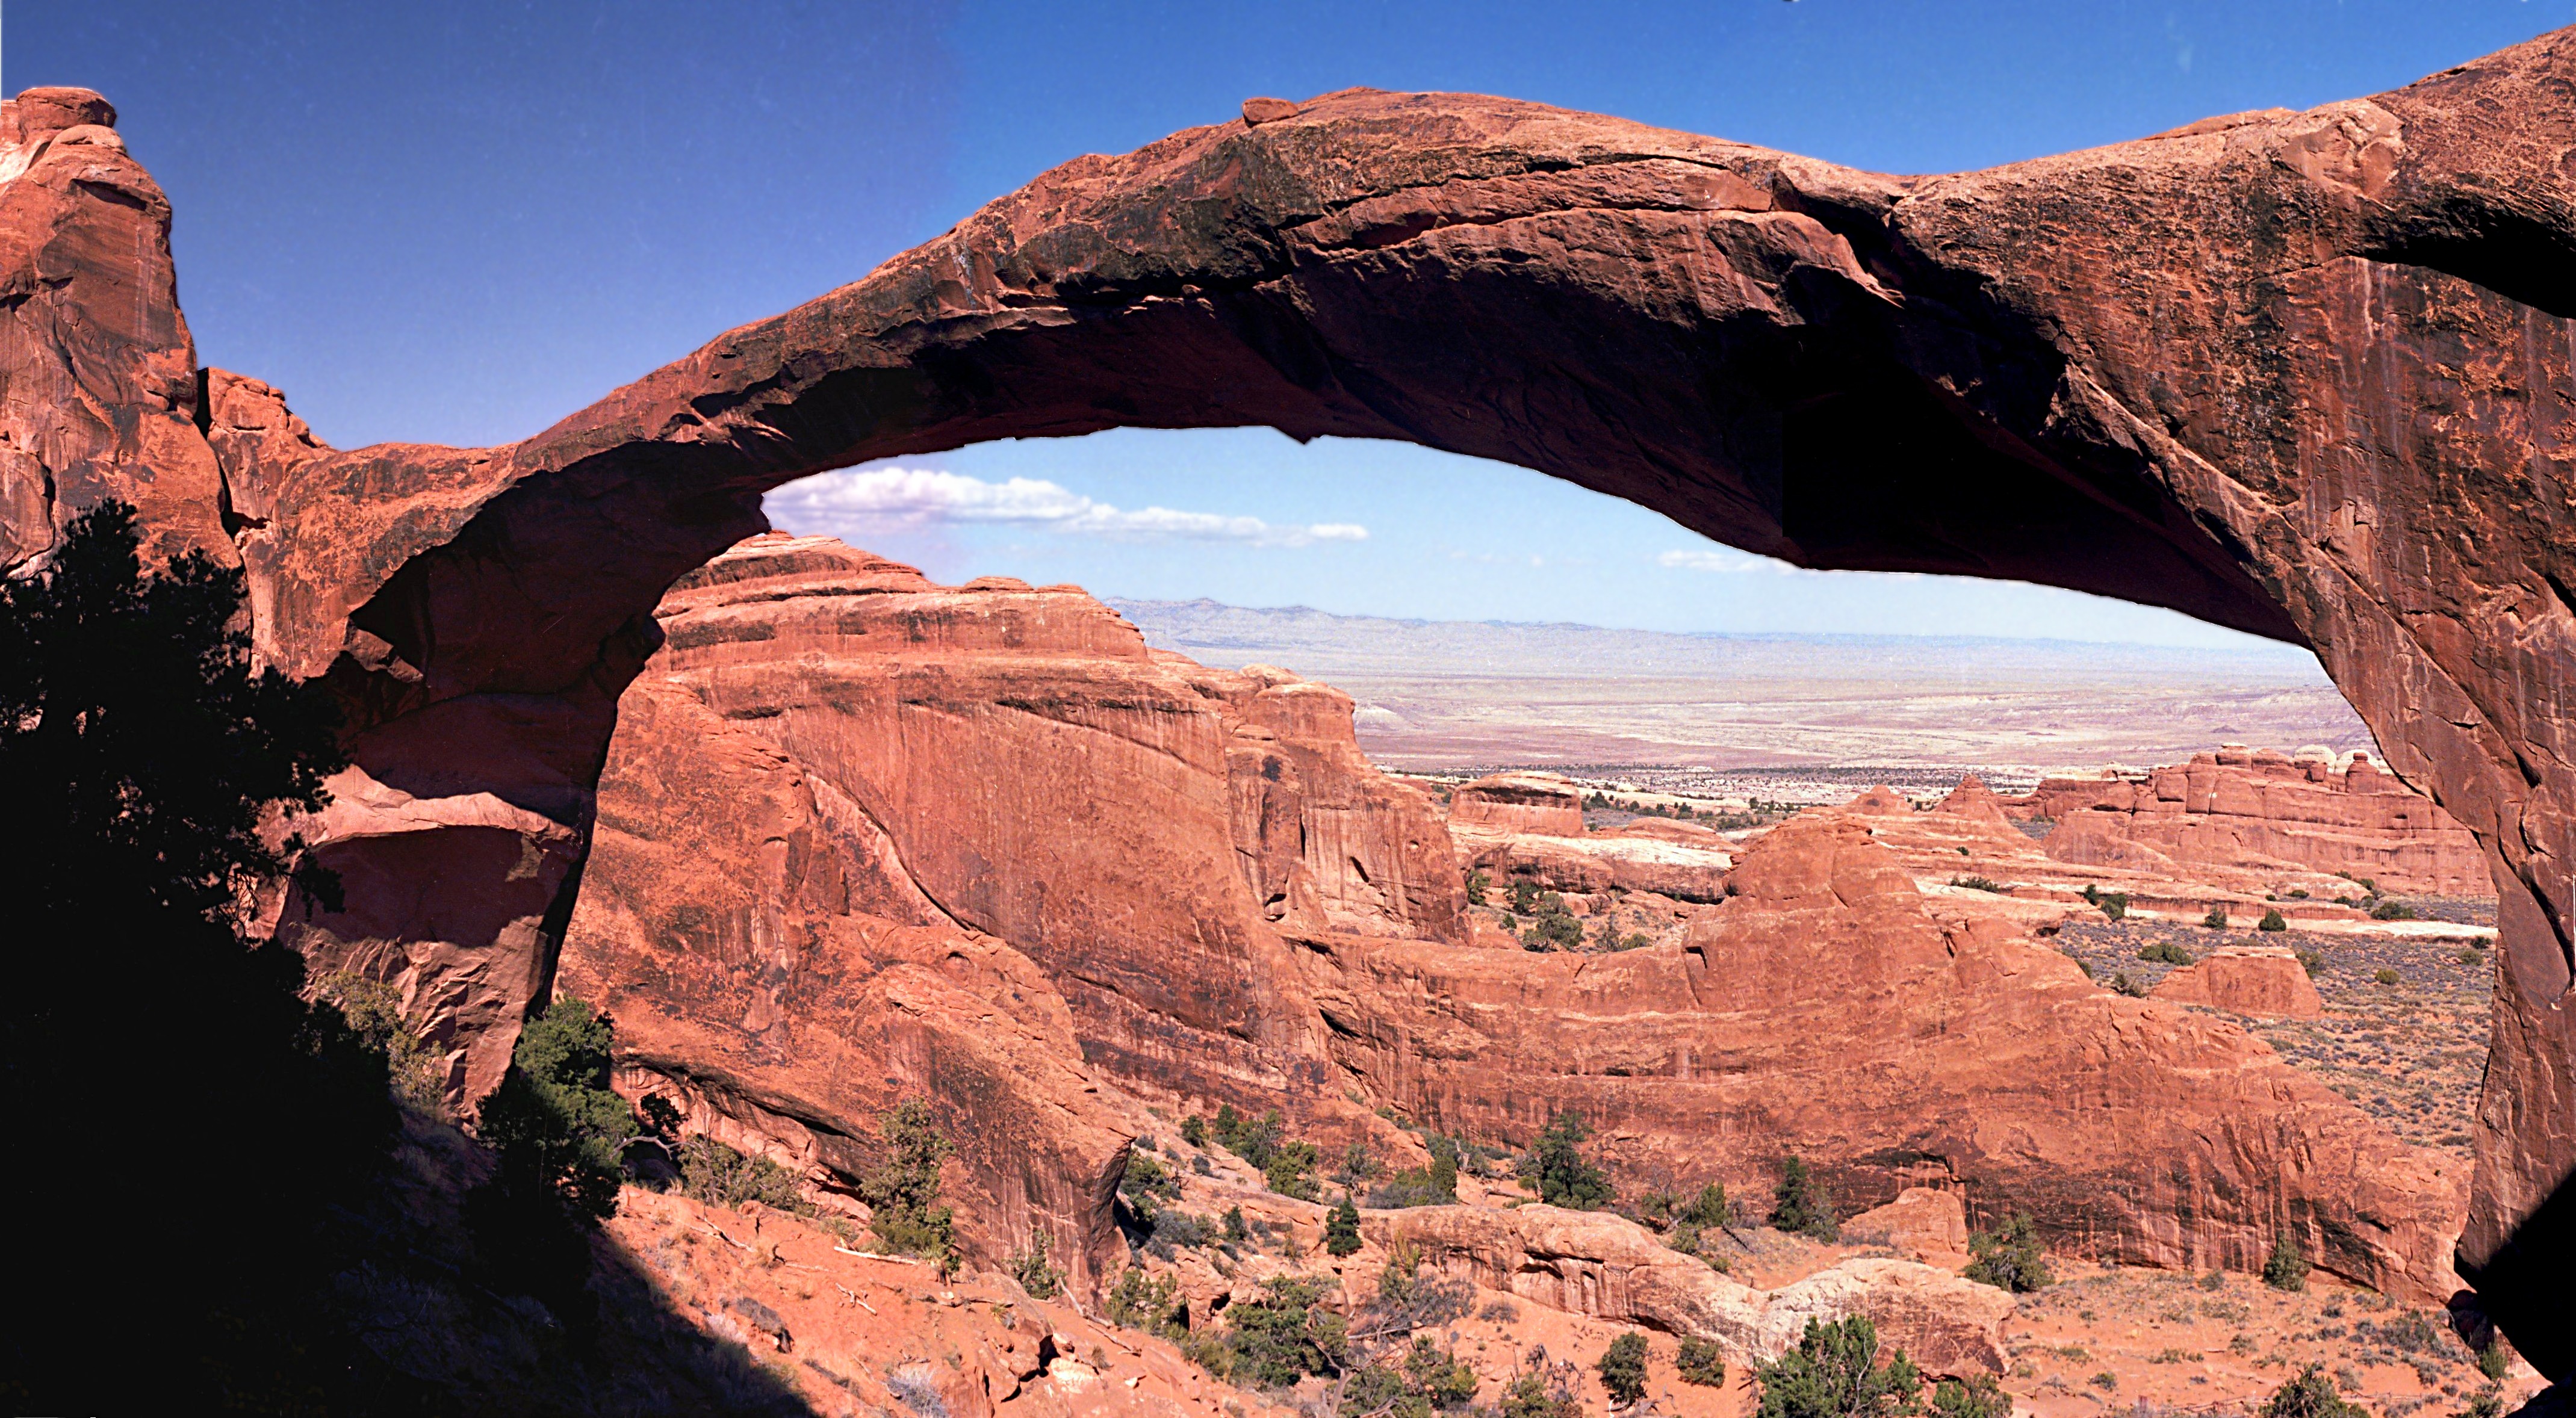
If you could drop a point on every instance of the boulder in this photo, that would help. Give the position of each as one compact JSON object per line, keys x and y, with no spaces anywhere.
{"x":2245,"y":979}
{"x":1595,"y":1263}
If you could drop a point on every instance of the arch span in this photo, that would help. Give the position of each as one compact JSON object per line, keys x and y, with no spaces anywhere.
{"x":2305,"y":374}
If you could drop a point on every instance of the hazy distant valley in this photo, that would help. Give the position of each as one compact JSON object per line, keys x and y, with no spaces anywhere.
{"x":1458,"y":694}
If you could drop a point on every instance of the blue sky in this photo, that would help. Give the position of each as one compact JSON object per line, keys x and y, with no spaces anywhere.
{"x":457,"y":223}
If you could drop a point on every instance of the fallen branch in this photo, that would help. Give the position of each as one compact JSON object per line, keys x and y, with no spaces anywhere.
{"x":872,"y":1255}
{"x":719,"y":1234}
{"x":854,"y":1297}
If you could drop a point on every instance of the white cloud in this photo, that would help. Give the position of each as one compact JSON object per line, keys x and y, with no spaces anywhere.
{"x":882,"y":498}
{"x":1720,"y":559}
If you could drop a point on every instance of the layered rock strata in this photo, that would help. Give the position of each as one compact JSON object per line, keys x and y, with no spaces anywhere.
{"x":2243,"y":979}
{"x":2292,"y":372}
{"x":2257,"y":808}
{"x":1529,"y":827}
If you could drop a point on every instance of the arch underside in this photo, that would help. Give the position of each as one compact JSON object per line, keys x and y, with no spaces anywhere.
{"x":2305,"y":375}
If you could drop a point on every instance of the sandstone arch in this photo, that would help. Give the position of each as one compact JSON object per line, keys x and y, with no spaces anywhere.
{"x":2305,"y":374}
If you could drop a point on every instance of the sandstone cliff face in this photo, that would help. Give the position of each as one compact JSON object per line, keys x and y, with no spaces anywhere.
{"x":1016,"y":763}
{"x":725,"y":928}
{"x":2293,"y":372}
{"x":1541,"y":803}
{"x":2253,"y":808}
{"x":1826,"y":1010}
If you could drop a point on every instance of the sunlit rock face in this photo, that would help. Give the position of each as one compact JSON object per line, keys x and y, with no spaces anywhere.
{"x":2298,"y":373}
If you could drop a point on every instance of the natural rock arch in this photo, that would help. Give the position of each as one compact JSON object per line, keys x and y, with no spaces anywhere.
{"x":2304,"y":374}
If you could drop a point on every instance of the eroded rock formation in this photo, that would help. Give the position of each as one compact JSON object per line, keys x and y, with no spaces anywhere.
{"x":2252,"y":808}
{"x":2299,"y":373}
{"x":2243,"y":979}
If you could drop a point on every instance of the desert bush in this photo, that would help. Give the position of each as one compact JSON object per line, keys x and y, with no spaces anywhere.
{"x":2272,"y":921}
{"x":1701,"y":1362}
{"x":1802,"y":1203}
{"x":1170,"y":1230}
{"x":1834,"y":1373}
{"x":2106,"y":1381}
{"x":2162,"y":953}
{"x":2312,"y":961}
{"x":1030,"y":1268}
{"x":1981,"y":883}
{"x":1283,"y":1334}
{"x":1342,"y":1228}
{"x":1427,"y":1380}
{"x":2216,"y":919}
{"x":1525,"y":897}
{"x":1151,"y":1303}
{"x":414,"y":1070}
{"x":2392,"y":911}
{"x":1553,"y":929}
{"x":1237,"y":1230}
{"x":2493,"y":1361}
{"x":2387,"y":976}
{"x":2487,"y":1402}
{"x":2310,"y":1395}
{"x":902,"y":1189}
{"x":1146,"y":1184}
{"x":554,"y":1121}
{"x":1623,"y":1368}
{"x":2287,"y":1267}
{"x":2010,"y":1257}
{"x":1194,"y":1130}
{"x":719,"y":1176}
{"x":1558,"y":1168}
{"x":1408,"y":1300}
{"x":1534,"y":1396}
{"x":2123,"y":984}
{"x":1979,"y":1396}
{"x":1477,"y":885}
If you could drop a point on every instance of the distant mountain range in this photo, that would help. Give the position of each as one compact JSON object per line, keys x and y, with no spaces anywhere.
{"x":1444,"y":693}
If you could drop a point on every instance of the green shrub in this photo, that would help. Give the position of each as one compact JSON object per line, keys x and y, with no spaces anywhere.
{"x":2009,"y":1257}
{"x":1152,"y":1303}
{"x":1477,"y":885}
{"x":1564,"y":1178}
{"x":1030,"y":1268}
{"x":2392,"y":911}
{"x":2134,"y":989}
{"x":1237,"y":1230}
{"x":1802,"y":1203}
{"x":1194,"y":1131}
{"x":1701,"y":1362}
{"x":1147,"y":1183}
{"x":2492,"y":1360}
{"x":554,"y":1121}
{"x":1708,"y":1208}
{"x":1834,"y":1373}
{"x":1623,"y":1368}
{"x":902,"y":1189}
{"x":2311,"y":1395}
{"x":2387,"y":976}
{"x":1978,"y":1397}
{"x":2272,"y":921}
{"x":2113,"y":904}
{"x":1532,"y":1396}
{"x":1342,"y":1228}
{"x":1981,"y":883}
{"x":719,"y":1176}
{"x":2298,"y":895}
{"x":1553,"y":930}
{"x":1289,"y":1171}
{"x":2216,"y":919}
{"x":2287,"y":1267}
{"x":1283,"y":1334}
{"x":2312,"y":961}
{"x":416,"y":1071}
{"x":2487,"y":1402}
{"x":2162,"y":953}
{"x":1429,"y":1380}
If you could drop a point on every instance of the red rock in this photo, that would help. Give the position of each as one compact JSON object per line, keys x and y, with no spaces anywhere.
{"x":724,"y":929}
{"x":1825,"y":1010}
{"x":2240,"y":809}
{"x":2275,"y":347}
{"x":1972,"y":799}
{"x":2245,"y":979}
{"x":1922,"y":1221}
{"x":1595,"y":1263}
{"x":1542,"y":804}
